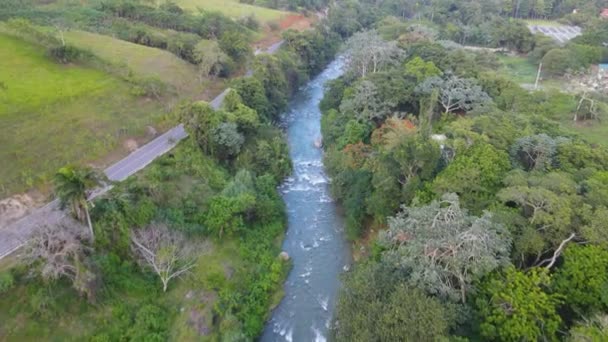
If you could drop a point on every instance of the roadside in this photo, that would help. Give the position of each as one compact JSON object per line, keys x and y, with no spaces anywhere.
{"x":19,"y":205}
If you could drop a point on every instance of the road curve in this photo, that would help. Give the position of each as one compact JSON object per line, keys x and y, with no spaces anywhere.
{"x":14,"y":235}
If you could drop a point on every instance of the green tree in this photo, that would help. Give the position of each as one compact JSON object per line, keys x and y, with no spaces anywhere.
{"x":252,"y":93}
{"x":227,"y":140}
{"x":583,"y":278}
{"x":421,"y":70}
{"x":73,"y":185}
{"x":225,"y":214}
{"x":514,"y":306}
{"x":476,"y":175}
{"x":375,"y":306}
{"x":235,"y":44}
{"x":200,"y":121}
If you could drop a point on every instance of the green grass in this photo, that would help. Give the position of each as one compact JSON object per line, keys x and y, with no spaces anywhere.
{"x":519,"y":69}
{"x":233,"y":8}
{"x":144,"y":61}
{"x":52,"y":114}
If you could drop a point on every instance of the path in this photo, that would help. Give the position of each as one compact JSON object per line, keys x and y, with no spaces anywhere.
{"x":15,"y":234}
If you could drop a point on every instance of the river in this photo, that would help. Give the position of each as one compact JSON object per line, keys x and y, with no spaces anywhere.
{"x":315,"y":239}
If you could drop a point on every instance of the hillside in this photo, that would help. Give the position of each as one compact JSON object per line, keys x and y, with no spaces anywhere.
{"x":234,"y":9}
{"x":144,"y":61}
{"x":52,"y":114}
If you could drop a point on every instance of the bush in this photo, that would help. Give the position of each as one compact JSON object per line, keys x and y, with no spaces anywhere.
{"x":66,"y":54}
{"x":6,"y":281}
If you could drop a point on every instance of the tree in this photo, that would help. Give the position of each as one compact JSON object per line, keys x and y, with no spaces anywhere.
{"x":583,"y":278}
{"x":375,"y":306}
{"x":456,"y":94}
{"x":201,"y":122}
{"x":251,"y":91}
{"x":365,"y":103}
{"x":513,"y":306}
{"x":475,"y":175}
{"x":167,"y":252}
{"x":443,"y":248}
{"x":62,"y":252}
{"x":235,"y":45}
{"x":227,"y":139}
{"x":421,"y":70}
{"x":73,"y":186}
{"x":536,"y":152}
{"x":547,"y":202}
{"x":210,"y":58}
{"x":369,"y":53}
{"x":225,"y":213}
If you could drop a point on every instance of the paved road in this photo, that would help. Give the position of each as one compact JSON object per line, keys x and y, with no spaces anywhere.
{"x":15,"y":234}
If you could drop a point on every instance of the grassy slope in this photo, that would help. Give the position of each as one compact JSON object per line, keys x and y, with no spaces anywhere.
{"x":143,"y":60}
{"x":522,"y":71}
{"x":233,"y":8}
{"x":52,"y":114}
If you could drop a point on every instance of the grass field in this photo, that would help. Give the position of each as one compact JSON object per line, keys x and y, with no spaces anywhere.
{"x":144,"y":61}
{"x":519,"y":69}
{"x":233,"y":8}
{"x":53,"y":114}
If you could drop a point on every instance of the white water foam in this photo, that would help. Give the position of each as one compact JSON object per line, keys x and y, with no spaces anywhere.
{"x":318,"y":335}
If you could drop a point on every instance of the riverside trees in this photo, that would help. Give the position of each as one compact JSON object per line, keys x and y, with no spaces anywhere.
{"x":502,"y":209}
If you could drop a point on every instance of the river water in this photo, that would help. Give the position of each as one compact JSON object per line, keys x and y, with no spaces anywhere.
{"x":314,"y":239}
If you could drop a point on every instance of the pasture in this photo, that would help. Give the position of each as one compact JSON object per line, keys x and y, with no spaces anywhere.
{"x":52,"y":114}
{"x":144,"y":61}
{"x":233,"y":8}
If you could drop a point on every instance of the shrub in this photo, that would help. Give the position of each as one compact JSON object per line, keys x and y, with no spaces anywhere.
{"x":66,"y":53}
{"x":6,"y":281}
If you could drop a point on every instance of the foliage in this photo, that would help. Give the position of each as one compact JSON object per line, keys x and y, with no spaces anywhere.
{"x":583,"y":278}
{"x":443,"y":249}
{"x":456,"y":94}
{"x":512,"y":305}
{"x":73,"y":185}
{"x":536,"y":152}
{"x":476,"y":175}
{"x":150,"y":324}
{"x":400,"y":313}
{"x":7,"y":281}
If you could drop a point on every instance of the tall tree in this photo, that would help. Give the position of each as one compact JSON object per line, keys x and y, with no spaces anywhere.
{"x":73,"y":185}
{"x":513,"y":306}
{"x":166,"y":251}
{"x":443,"y":248}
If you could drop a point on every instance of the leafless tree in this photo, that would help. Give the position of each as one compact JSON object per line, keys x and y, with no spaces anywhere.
{"x":60,"y":251}
{"x":166,"y":251}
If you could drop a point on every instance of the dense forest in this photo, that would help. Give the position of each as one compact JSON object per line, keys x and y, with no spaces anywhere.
{"x":476,"y":214}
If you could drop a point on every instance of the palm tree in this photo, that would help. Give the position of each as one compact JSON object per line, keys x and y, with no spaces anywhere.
{"x":73,"y":185}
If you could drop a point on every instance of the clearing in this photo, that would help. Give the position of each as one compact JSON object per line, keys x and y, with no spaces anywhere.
{"x":52,"y":114}
{"x":233,"y":8}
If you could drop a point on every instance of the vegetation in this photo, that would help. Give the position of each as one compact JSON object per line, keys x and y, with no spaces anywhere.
{"x":186,"y":250}
{"x":460,"y":187}
{"x":480,"y":214}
